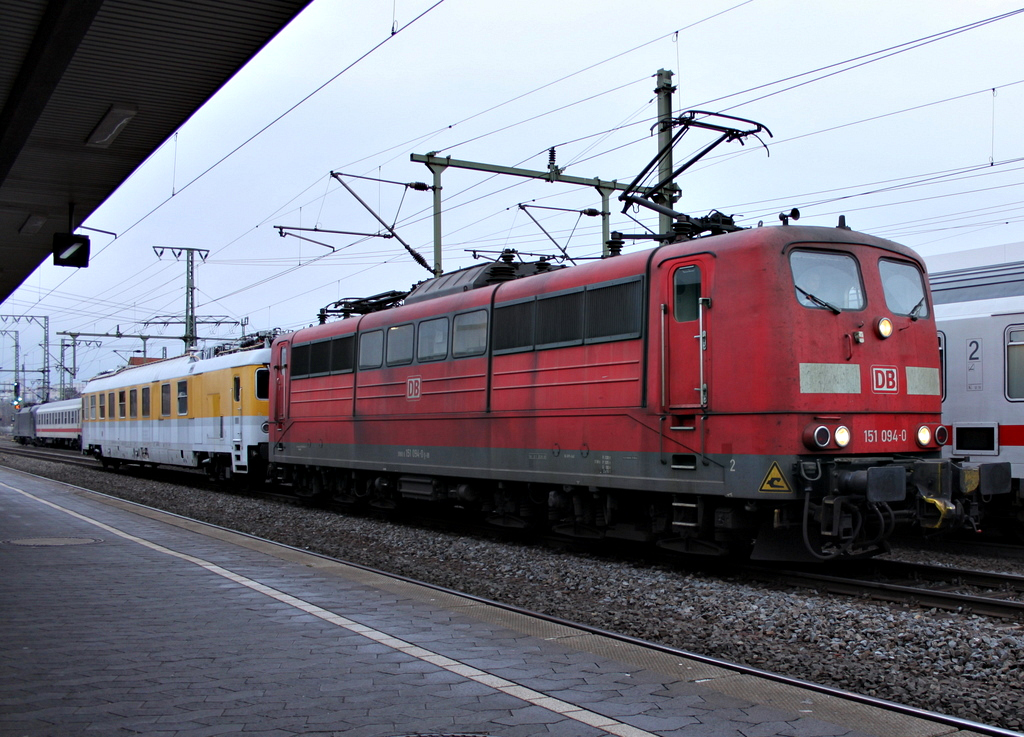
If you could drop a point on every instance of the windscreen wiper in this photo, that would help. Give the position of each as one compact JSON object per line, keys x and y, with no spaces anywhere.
{"x":818,"y":300}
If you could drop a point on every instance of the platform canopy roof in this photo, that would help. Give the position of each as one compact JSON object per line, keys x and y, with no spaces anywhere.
{"x":90,"y":88}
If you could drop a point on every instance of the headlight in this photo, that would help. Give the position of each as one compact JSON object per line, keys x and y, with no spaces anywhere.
{"x":842,"y":436}
{"x":883,"y":327}
{"x":817,"y":437}
{"x":924,"y":436}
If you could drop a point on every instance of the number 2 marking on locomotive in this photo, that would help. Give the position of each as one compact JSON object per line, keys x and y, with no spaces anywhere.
{"x":413,"y":387}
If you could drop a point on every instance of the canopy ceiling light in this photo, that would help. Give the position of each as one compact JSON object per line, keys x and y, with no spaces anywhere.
{"x":110,"y":126}
{"x":32,"y":225}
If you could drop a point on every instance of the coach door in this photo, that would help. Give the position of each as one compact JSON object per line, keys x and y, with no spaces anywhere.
{"x":236,"y":406}
{"x":684,"y":333}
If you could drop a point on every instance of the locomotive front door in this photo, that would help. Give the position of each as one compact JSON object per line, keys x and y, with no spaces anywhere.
{"x":684,"y":333}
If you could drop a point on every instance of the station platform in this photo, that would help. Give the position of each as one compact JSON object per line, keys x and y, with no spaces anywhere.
{"x":119,"y":620}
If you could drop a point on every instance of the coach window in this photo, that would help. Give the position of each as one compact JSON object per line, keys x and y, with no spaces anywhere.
{"x":1015,"y":362}
{"x":433,"y":340}
{"x":121,"y":404}
{"x":400,"y":338}
{"x":687,"y":293}
{"x":103,"y":414}
{"x":133,"y":403}
{"x":827,"y":281}
{"x":165,"y":400}
{"x":263,"y":383}
{"x":903,"y":286}
{"x":183,"y":397}
{"x":469,"y":334}
{"x":145,"y":401}
{"x":371,"y":349}
{"x":110,"y":405}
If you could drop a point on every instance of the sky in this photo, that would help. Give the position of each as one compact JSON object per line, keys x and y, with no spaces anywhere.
{"x":904,"y":117}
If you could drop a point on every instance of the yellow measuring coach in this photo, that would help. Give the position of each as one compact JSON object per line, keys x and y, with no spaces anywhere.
{"x":190,"y":411}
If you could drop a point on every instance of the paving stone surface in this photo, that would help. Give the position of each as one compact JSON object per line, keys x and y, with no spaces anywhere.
{"x":152,"y":629}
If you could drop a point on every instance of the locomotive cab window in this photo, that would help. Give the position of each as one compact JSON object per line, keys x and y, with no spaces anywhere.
{"x":903,"y":285}
{"x":687,"y":293}
{"x":827,"y":281}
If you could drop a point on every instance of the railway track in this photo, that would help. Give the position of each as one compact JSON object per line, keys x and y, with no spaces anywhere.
{"x":69,"y":457}
{"x":913,"y":584}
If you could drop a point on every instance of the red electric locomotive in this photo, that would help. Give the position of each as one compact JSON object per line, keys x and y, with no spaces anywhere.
{"x":773,"y":391}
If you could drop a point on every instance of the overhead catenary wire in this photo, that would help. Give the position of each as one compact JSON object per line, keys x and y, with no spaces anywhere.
{"x":475,"y":199}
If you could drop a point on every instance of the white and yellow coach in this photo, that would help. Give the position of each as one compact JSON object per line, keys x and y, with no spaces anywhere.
{"x":208,"y":413}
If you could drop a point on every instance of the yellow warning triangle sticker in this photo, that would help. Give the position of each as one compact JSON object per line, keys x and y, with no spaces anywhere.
{"x":774,"y":480}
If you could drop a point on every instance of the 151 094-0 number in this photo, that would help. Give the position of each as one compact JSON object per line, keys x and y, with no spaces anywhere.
{"x":885,"y":436}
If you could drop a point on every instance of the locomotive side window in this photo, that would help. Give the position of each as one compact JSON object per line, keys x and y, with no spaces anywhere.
{"x":827,"y":281}
{"x":1015,"y":362}
{"x":400,"y":340}
{"x":371,"y":349}
{"x":263,"y":383}
{"x":560,"y":320}
{"x":343,"y":354}
{"x":300,"y":361}
{"x":687,"y":293}
{"x":942,"y":363}
{"x":433,"y":340}
{"x":513,"y":327}
{"x":165,"y":400}
{"x":903,"y":285}
{"x":470,"y":334}
{"x":614,"y":312}
{"x":319,"y":357}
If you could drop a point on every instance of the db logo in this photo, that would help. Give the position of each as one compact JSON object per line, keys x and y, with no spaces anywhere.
{"x":413,"y":387}
{"x":885,"y":379}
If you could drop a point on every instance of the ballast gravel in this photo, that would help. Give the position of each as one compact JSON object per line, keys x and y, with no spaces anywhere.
{"x":963,"y":665}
